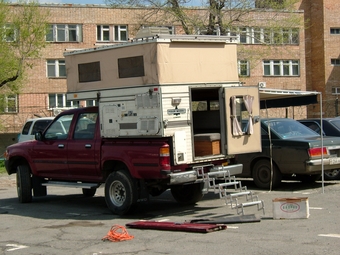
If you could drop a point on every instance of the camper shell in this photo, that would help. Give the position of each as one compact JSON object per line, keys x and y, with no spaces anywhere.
{"x":183,"y":87}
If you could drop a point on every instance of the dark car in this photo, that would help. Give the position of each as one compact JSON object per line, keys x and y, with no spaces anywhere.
{"x":331,"y":127}
{"x":289,"y":149}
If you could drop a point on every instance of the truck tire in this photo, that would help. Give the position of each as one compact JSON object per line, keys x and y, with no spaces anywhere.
{"x":120,"y":192}
{"x":24,"y":184}
{"x":262,"y":174}
{"x":187,"y":194}
{"x":89,"y":192}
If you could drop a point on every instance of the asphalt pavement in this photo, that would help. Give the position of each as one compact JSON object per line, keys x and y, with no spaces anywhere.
{"x":65,"y":222}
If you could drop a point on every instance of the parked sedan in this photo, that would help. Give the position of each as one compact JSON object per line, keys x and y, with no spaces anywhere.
{"x":331,"y":127}
{"x":289,"y":149}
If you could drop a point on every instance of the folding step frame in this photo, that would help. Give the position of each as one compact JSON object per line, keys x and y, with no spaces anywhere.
{"x":231,"y":198}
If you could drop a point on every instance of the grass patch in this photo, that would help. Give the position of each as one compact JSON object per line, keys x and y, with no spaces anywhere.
{"x":2,"y":167}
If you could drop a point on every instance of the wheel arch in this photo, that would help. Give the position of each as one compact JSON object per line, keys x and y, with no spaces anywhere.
{"x":14,"y":162}
{"x":111,"y":166}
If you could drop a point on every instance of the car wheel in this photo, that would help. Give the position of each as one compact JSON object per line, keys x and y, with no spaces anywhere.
{"x":89,"y":192}
{"x":120,"y":192}
{"x":24,"y":184}
{"x":332,"y":175}
{"x":262,"y":174}
{"x":187,"y":194}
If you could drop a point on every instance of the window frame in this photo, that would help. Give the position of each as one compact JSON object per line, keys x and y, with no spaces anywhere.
{"x":6,"y":107}
{"x":335,"y":90}
{"x":61,"y":33}
{"x":335,"y":61}
{"x":59,"y":66}
{"x":334,"y":30}
{"x":101,"y":29}
{"x":281,"y":68}
{"x":242,"y":65}
{"x":118,"y":30}
{"x":263,"y":35}
{"x":10,"y":33}
{"x":60,"y":101}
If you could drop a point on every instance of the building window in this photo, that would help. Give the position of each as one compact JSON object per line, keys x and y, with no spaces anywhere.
{"x":335,"y":31}
{"x":244,"y":37}
{"x":335,"y":61}
{"x":10,"y":33}
{"x":103,"y":33}
{"x":56,"y":68}
{"x":64,"y":33}
{"x":120,"y":33}
{"x":8,"y":104}
{"x":257,"y":35}
{"x":243,"y":68}
{"x":281,"y":68}
{"x":59,"y":101}
{"x":336,"y":90}
{"x":91,"y":102}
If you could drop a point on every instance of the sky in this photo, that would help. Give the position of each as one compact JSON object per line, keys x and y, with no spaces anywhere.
{"x":99,"y":2}
{"x":70,"y":1}
{"x":193,"y":2}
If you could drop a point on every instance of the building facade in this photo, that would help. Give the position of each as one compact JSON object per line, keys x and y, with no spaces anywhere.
{"x":323,"y":53}
{"x":305,"y":58}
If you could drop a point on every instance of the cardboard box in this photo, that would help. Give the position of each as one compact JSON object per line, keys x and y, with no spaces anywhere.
{"x":291,"y":208}
{"x":207,"y":144}
{"x":203,"y":148}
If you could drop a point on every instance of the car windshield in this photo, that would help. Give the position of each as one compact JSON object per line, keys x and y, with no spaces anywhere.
{"x":289,"y":128}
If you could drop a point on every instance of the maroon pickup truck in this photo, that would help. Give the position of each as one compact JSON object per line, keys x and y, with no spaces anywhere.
{"x":71,"y":152}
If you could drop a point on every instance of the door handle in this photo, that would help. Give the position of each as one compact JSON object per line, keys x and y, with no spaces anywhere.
{"x":88,"y":146}
{"x":61,"y":146}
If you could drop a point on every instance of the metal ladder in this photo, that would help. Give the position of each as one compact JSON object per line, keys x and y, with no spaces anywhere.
{"x":220,"y":181}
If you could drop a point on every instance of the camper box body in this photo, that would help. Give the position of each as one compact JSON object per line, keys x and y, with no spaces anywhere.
{"x":182,"y":87}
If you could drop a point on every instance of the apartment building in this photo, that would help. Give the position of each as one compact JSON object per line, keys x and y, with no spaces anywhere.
{"x":293,"y":63}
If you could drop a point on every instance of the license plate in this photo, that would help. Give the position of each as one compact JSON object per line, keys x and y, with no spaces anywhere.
{"x":333,"y":161}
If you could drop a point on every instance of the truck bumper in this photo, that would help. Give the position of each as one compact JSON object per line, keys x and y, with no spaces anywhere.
{"x":196,"y":175}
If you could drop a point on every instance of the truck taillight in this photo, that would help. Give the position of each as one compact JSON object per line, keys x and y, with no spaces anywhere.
{"x":316,"y":152}
{"x":164,"y":157}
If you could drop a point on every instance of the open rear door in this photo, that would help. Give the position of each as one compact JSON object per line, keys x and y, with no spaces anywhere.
{"x":243,"y":130}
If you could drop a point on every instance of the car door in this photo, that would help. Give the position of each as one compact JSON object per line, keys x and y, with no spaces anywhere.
{"x":49,"y":155}
{"x":84,"y":149}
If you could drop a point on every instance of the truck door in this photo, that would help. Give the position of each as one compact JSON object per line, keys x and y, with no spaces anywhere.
{"x":242,"y":127}
{"x":84,"y":148}
{"x":49,"y":156}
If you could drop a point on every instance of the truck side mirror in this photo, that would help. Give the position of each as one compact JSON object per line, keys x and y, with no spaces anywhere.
{"x":38,"y":136}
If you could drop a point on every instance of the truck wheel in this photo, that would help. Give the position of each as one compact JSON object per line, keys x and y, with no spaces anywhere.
{"x":89,"y":192}
{"x":262,"y":174}
{"x":24,"y":184}
{"x":120,"y":193}
{"x":332,"y":174}
{"x":187,"y":194}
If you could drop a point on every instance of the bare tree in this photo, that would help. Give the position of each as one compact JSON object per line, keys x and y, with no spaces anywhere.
{"x":209,"y":16}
